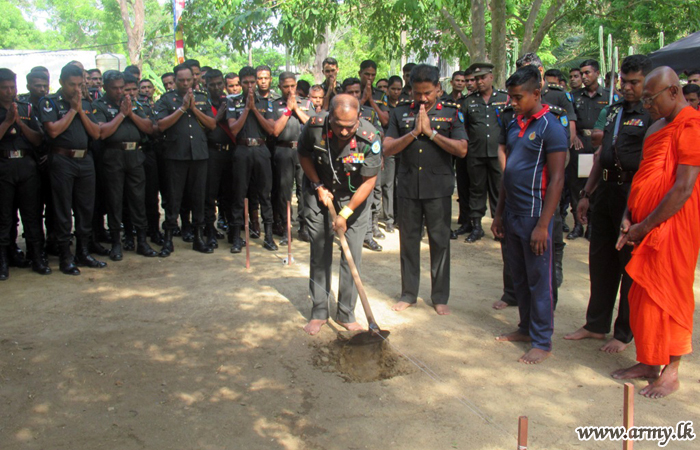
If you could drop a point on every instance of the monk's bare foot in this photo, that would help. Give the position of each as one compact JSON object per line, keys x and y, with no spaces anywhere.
{"x":583,"y":333}
{"x":499,"y":304}
{"x":314,"y":326}
{"x":665,"y":385}
{"x":400,"y":306}
{"x":442,"y":310}
{"x":614,"y":346}
{"x":515,"y":336}
{"x":535,"y":356}
{"x":637,"y":371}
{"x":354,"y":326}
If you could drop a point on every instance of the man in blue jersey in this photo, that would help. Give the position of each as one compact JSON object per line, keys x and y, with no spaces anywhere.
{"x":536,"y":148}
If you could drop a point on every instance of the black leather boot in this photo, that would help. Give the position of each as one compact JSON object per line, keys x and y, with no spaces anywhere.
{"x":115,"y":254}
{"x":236,"y":241}
{"x":212,"y":236}
{"x":576,"y":233}
{"x":376,"y":232}
{"x":269,"y":241}
{"x":128,"y":241}
{"x":303,"y":234}
{"x":84,"y":258}
{"x":477,"y":232}
{"x":39,"y":264}
{"x":142,"y":247}
{"x":95,"y":247}
{"x":371,"y":244}
{"x":198,"y":243}
{"x":155,"y":235}
{"x":4,"y":263}
{"x":15,"y":257}
{"x":168,"y":247}
{"x":66,"y":260}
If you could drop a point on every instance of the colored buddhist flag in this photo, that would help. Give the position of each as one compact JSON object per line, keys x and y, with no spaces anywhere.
{"x":178,"y":8}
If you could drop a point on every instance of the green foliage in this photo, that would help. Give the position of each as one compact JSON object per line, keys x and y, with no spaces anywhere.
{"x":18,"y":33}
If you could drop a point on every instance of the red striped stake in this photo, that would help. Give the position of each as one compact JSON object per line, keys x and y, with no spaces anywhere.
{"x":628,"y":414}
{"x":522,"y":433}
{"x":289,"y":233}
{"x":247,"y":235}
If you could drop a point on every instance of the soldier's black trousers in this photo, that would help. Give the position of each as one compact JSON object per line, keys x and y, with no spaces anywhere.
{"x":462,"y":175}
{"x":374,"y":203}
{"x":20,"y":186}
{"x":73,"y":190}
{"x":484,"y":181}
{"x":185,"y":179}
{"x":150,"y":167}
{"x":321,"y":232}
{"x":388,"y":182}
{"x":607,"y":265}
{"x":124,"y":175}
{"x":574,"y":183}
{"x":251,"y":169}
{"x":218,"y":175}
{"x":437,"y":213}
{"x":284,"y":168}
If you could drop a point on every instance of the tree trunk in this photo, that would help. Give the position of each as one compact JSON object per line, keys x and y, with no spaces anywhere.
{"x":321,"y":54}
{"x":498,"y":41}
{"x":478,"y":17}
{"x":135,"y":30}
{"x":529,"y":26}
{"x":550,"y":18}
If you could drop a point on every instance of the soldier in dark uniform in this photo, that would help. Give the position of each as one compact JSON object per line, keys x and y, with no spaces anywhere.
{"x":575,"y":79}
{"x":263,"y":76}
{"x":388,"y":175}
{"x":168,"y":80}
{"x":185,"y":116}
{"x":94,"y":83}
{"x":482,"y":110}
{"x":406,"y":96}
{"x":427,"y":133}
{"x":219,"y":171}
{"x":290,"y":114}
{"x":123,"y":127}
{"x":70,"y":124}
{"x":330,"y":85}
{"x":19,"y":178}
{"x":352,"y":86}
{"x":469,"y":81}
{"x":589,"y":102}
{"x":341,"y":156}
{"x":626,"y":124}
{"x":250,"y":120}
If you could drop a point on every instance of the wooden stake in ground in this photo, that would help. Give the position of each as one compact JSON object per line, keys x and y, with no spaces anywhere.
{"x":522,"y":433}
{"x":628,"y":414}
{"x":247,"y":235}
{"x":289,"y":233}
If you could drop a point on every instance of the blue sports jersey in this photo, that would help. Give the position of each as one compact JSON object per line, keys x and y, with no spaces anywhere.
{"x":527,"y":145}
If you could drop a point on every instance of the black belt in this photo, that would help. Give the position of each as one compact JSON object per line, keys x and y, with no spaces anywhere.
{"x":75,"y":153}
{"x":289,"y":144}
{"x":220,"y":147}
{"x":586,"y":132}
{"x":125,"y":146}
{"x":618,"y":176}
{"x":251,"y":142}
{"x":14,"y":154}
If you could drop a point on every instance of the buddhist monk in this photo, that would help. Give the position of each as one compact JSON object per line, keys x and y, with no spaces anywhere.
{"x":661,"y":224}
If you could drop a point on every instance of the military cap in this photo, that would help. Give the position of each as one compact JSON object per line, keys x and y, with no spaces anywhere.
{"x":479,"y":69}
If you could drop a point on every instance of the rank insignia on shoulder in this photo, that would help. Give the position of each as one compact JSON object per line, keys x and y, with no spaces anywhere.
{"x":376,"y":147}
{"x":616,"y":97}
{"x":461,"y":116}
{"x":48,"y":107}
{"x":564,"y":121}
{"x":568,"y":95}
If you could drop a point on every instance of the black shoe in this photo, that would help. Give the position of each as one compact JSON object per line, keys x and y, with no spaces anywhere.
{"x":221,"y":224}
{"x":564,"y":227}
{"x":576,"y":233}
{"x":587,"y":234}
{"x":198,"y":243}
{"x":372,"y":245}
{"x":377,"y":233}
{"x":212,"y":236}
{"x":84,"y":258}
{"x":465,"y":228}
{"x":269,"y":242}
{"x":95,"y":247}
{"x":16,"y":258}
{"x":303,"y":235}
{"x":156,"y":237}
{"x":477,"y":232}
{"x":4,"y":264}
{"x":389,"y":228}
{"x":236,"y":241}
{"x":177,"y":231}
{"x":168,"y":246}
{"x":128,"y":242}
{"x":187,"y":234}
{"x":453,"y":235}
{"x":278,"y":229}
{"x":66,"y":261}
{"x":115,"y":254}
{"x":142,"y":247}
{"x":39,"y":264}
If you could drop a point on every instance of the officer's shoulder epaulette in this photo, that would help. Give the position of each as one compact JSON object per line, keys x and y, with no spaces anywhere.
{"x":448,"y":103}
{"x":557,"y":110}
{"x":366,"y":131}
{"x":502,"y":91}
{"x":555,"y":86}
{"x":507,"y":108}
{"x":317,"y":121}
{"x":21,"y":101}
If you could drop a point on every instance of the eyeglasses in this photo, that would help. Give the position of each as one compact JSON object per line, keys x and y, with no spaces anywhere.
{"x":647,"y":100}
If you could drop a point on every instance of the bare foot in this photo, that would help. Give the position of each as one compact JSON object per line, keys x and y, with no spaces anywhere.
{"x":583,"y":333}
{"x":613,"y":346}
{"x":637,"y":371}
{"x":515,"y":336}
{"x":663,"y":386}
{"x":442,"y":310}
{"x":354,"y":326}
{"x":499,"y":304}
{"x":314,"y":326}
{"x":535,"y":356}
{"x":400,"y":306}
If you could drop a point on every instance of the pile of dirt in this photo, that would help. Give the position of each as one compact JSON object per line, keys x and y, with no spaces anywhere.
{"x":360,"y":363}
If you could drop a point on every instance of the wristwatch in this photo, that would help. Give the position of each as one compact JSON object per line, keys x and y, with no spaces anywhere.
{"x":316,"y":185}
{"x":432,"y":136}
{"x":584,"y":194}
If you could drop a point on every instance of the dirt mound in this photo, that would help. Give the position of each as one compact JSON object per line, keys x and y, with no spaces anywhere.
{"x":360,"y":363}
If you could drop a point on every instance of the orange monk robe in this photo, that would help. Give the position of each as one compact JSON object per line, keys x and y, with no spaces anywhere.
{"x":663,"y":264}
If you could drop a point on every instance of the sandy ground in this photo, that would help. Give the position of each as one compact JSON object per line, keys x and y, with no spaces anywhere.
{"x":196,"y":352}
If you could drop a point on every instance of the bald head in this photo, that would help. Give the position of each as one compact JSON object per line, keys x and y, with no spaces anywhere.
{"x":344,"y":117}
{"x":344,"y":103}
{"x":662,"y":94}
